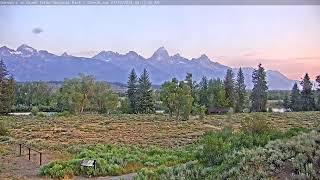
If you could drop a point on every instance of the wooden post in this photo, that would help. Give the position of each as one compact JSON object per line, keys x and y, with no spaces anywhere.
{"x":29,"y":153}
{"x":20,"y":147}
{"x":40,"y":159}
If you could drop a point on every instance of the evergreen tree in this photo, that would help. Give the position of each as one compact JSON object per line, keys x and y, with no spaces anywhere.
{"x":145,"y":103}
{"x":189,"y":80}
{"x":229,"y":88}
{"x":286,"y":102}
{"x":318,"y":92}
{"x":259,"y":93}
{"x":240,"y":92}
{"x":318,"y":82}
{"x":132,"y":91}
{"x":307,"y":98}
{"x":3,"y":71}
{"x":203,"y":92}
{"x":7,"y":85}
{"x":295,"y":98}
{"x":216,"y":94}
{"x":192,"y":85}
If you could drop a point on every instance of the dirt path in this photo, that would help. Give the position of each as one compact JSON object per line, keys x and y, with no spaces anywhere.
{"x":13,"y":166}
{"x":123,"y":177}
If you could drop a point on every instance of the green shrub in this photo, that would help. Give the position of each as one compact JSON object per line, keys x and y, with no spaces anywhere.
{"x":256,"y":124}
{"x":64,"y":114}
{"x":116,"y":160}
{"x":3,"y":129}
{"x":34,"y":110}
{"x":41,"y":114}
{"x":216,"y":145}
{"x":294,"y":158}
{"x":244,"y":157}
{"x":57,"y":169}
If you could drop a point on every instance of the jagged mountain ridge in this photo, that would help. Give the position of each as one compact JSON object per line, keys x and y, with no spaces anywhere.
{"x":29,"y":64}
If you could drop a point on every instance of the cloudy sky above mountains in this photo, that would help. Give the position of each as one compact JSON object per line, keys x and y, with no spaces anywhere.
{"x":284,"y":38}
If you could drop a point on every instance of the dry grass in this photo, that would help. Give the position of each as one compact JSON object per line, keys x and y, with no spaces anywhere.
{"x":142,"y":130}
{"x":55,"y":135}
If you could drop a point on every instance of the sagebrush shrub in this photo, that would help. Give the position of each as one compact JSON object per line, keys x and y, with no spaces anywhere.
{"x":3,"y":129}
{"x":255,"y":125}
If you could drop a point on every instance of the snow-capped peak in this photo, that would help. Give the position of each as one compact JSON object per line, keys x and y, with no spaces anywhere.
{"x":177,"y":55}
{"x":160,"y":54}
{"x":105,"y":55}
{"x":5,"y":51}
{"x":204,"y":57}
{"x":65,"y":54}
{"x":26,"y":50}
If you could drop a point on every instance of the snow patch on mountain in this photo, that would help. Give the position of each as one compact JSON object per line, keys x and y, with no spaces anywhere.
{"x":28,"y":64}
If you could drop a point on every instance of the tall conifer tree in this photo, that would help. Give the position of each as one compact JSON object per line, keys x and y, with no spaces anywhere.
{"x":318,"y":92}
{"x":307,"y":98}
{"x":7,"y":85}
{"x":203,"y":92}
{"x":259,"y":92}
{"x":240,"y":90}
{"x":295,"y":98}
{"x":132,"y":91}
{"x":145,"y":94}
{"x":229,"y":88}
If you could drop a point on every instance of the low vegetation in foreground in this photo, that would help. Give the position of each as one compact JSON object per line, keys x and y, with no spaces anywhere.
{"x":116,"y":160}
{"x":256,"y":146}
{"x":289,"y":158}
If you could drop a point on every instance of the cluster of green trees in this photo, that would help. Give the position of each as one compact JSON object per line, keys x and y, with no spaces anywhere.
{"x":140,"y":95}
{"x":179,"y":98}
{"x":7,"y":85}
{"x":34,"y":94}
{"x":75,"y":95}
{"x":185,"y":97}
{"x":85,"y":93}
{"x":188,"y":96}
{"x":305,"y":100}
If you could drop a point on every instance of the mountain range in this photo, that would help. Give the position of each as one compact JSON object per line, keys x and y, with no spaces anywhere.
{"x":29,"y":64}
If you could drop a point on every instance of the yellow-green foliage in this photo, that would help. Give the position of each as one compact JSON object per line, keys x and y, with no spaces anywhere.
{"x":218,"y":153}
{"x":3,"y":129}
{"x":296,"y":158}
{"x":116,"y":160}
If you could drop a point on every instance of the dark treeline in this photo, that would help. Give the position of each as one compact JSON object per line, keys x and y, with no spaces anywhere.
{"x":179,"y":98}
{"x":75,"y":96}
{"x":306,"y":99}
{"x":7,"y":85}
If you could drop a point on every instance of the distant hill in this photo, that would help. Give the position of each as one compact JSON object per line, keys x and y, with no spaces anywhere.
{"x":29,"y":64}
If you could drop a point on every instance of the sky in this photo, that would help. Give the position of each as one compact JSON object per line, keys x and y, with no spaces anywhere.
{"x":284,"y":38}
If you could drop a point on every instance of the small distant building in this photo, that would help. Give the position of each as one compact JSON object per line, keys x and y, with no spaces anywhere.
{"x":216,"y":110}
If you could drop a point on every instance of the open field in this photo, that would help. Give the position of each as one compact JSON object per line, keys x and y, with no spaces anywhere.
{"x":141,"y":130}
{"x":62,"y":137}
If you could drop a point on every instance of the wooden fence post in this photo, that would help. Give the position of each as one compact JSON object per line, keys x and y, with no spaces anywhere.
{"x":40,"y":159}
{"x":29,"y":153}
{"x":20,"y":147}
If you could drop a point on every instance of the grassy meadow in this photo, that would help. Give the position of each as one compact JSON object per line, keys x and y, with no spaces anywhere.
{"x":157,"y":147}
